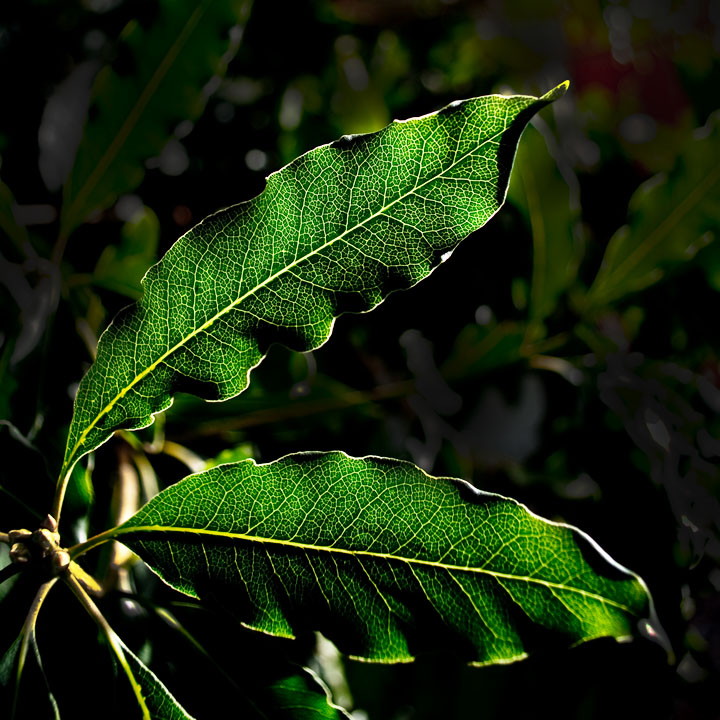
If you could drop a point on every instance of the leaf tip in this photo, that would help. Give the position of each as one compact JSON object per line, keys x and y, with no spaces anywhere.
{"x":556,"y":92}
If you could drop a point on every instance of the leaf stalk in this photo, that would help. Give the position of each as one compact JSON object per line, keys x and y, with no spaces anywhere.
{"x":112,"y":638}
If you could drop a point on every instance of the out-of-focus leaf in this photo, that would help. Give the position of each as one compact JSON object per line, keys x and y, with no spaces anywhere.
{"x":235,"y":454}
{"x":382,"y":559}
{"x":335,"y":231}
{"x":121,"y":268}
{"x":551,"y":208}
{"x":157,"y":82}
{"x":8,"y":225}
{"x":480,"y":348}
{"x":671,"y":218}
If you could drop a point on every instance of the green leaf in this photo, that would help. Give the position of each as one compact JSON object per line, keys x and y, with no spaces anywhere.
{"x":157,"y":83}
{"x":335,"y":231}
{"x":158,"y":703}
{"x":29,"y":695}
{"x":551,"y":207}
{"x":121,"y":268}
{"x":671,"y":217}
{"x":384,"y":560}
{"x":302,"y":696}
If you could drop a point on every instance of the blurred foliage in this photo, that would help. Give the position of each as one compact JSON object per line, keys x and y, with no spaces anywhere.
{"x":567,"y":356}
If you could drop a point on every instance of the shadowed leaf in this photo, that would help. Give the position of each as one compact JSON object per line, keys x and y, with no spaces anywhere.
{"x":672,"y":217}
{"x":157,"y":82}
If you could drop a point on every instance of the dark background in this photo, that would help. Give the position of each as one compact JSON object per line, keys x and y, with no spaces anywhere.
{"x":603,"y":414}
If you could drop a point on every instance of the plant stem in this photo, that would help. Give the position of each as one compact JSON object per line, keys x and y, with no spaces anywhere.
{"x":81,"y":548}
{"x":28,"y":633}
{"x":112,"y":638}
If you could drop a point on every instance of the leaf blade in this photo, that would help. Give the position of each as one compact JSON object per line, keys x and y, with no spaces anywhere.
{"x":303,"y":543}
{"x":321,"y":240}
{"x":671,"y":217}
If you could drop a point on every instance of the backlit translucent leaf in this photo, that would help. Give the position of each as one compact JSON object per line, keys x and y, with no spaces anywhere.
{"x":335,"y":231}
{"x":671,"y":218}
{"x":164,"y":62}
{"x":382,"y":559}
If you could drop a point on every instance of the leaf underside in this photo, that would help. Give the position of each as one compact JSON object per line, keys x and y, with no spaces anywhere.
{"x":335,"y":231}
{"x":382,"y":559}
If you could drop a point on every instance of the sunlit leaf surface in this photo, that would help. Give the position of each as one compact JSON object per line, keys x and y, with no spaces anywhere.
{"x":335,"y":231}
{"x":382,"y":559}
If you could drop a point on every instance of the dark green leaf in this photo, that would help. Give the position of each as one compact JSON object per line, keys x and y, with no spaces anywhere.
{"x":160,"y":704}
{"x":551,"y":207}
{"x":335,"y":231}
{"x":136,"y":107}
{"x":121,"y":268}
{"x":297,"y":697}
{"x":382,"y":559}
{"x":671,"y":218}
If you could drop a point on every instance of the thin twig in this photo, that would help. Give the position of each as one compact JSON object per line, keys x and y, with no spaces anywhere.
{"x":113,"y":639}
{"x":28,"y":634}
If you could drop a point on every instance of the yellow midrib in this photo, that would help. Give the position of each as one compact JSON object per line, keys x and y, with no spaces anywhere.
{"x":150,"y":368}
{"x":367,"y":553}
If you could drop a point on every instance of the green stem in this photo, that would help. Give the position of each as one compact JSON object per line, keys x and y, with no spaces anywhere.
{"x":112,"y":638}
{"x":81,"y":548}
{"x":28,"y":633}
{"x":59,"y":496}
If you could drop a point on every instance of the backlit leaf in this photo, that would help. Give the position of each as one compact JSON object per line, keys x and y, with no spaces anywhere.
{"x":384,"y":560}
{"x":335,"y":231}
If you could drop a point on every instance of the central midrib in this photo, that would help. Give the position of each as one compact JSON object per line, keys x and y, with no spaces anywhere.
{"x":138,"y":529}
{"x":257,"y":288}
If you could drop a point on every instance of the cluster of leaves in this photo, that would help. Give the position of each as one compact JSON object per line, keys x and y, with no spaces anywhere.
{"x":381,"y":558}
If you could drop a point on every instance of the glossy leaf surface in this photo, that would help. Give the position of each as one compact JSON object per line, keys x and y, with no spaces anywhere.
{"x":382,"y":559}
{"x":157,"y":81}
{"x":335,"y":231}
